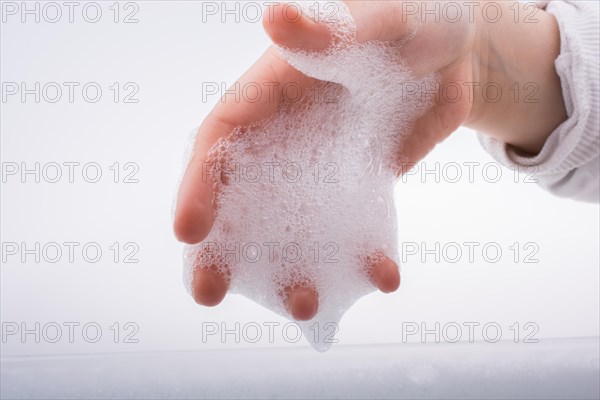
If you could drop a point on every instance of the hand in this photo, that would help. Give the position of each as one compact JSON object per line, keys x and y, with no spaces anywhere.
{"x":450,"y":49}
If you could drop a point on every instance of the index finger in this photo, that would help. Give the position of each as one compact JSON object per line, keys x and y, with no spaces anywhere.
{"x":194,"y":213}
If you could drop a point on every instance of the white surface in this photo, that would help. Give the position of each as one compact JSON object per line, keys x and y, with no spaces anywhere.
{"x":564,"y":369}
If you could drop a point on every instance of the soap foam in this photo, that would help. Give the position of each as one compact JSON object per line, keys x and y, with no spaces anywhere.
{"x":305,"y":198}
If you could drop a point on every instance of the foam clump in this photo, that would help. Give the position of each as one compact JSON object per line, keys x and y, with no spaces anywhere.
{"x":305,"y":198}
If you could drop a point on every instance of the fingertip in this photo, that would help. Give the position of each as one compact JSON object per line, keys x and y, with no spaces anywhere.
{"x":278,"y":20}
{"x":286,"y":26}
{"x":194,"y":214}
{"x":209,"y":286}
{"x":302,"y":303}
{"x":193,"y":226}
{"x":386,"y":275}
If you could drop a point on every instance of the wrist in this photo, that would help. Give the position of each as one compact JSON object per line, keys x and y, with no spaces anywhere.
{"x":518,"y":97}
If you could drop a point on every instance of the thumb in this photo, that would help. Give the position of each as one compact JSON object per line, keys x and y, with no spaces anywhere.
{"x":288,"y":27}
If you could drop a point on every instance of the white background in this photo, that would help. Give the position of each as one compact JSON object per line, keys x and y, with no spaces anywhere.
{"x":169,"y":53}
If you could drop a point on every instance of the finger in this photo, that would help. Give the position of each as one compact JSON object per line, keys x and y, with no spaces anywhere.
{"x":194,"y":213}
{"x":301,"y":302}
{"x":425,"y":135}
{"x":384,"y":274}
{"x":443,"y":117}
{"x":286,"y":26}
{"x":209,"y":286}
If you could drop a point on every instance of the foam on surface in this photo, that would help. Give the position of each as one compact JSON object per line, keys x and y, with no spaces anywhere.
{"x":306,"y":197}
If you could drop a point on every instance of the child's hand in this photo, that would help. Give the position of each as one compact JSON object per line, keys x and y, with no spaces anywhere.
{"x":453,"y":50}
